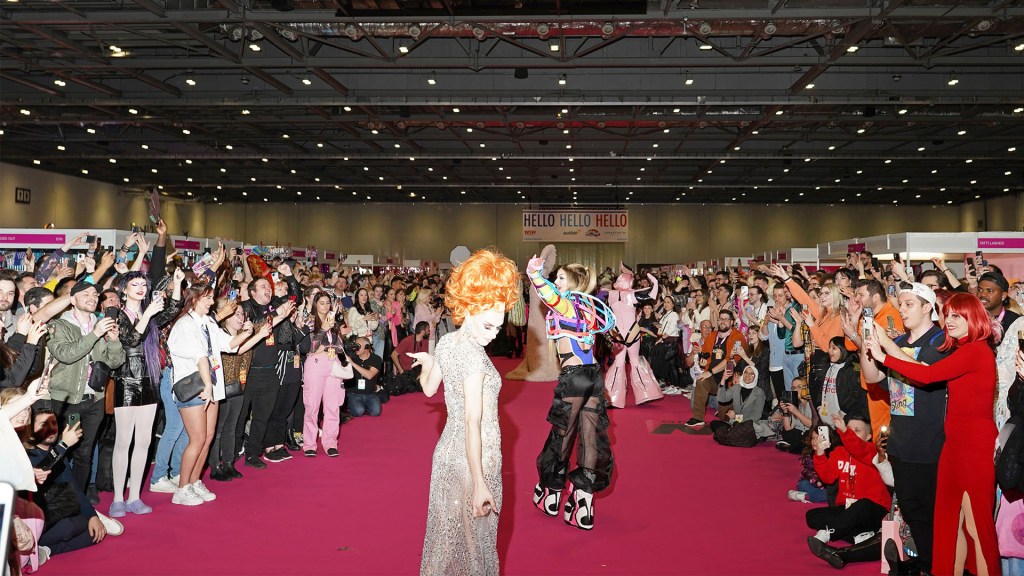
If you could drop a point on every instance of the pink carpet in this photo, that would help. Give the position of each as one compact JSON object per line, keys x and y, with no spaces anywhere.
{"x":678,"y":504}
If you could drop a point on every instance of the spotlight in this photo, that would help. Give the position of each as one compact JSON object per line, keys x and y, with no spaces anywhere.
{"x":288,"y":34}
{"x":351,"y":31}
{"x":237,"y":33}
{"x":607,"y":29}
{"x":543,"y":30}
{"x":415,"y":31}
{"x":704,"y":29}
{"x":770,"y":28}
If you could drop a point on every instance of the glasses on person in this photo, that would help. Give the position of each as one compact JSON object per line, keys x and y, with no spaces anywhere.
{"x":367,"y":346}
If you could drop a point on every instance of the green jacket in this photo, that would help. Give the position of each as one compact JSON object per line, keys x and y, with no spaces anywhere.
{"x":71,"y":350}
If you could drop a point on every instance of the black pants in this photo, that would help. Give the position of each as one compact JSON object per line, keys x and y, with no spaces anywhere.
{"x":862,"y":516}
{"x":663,"y":361}
{"x":67,"y":535}
{"x":223,"y":447}
{"x":795,"y":438}
{"x":915,"y":490}
{"x":578,"y":409}
{"x":261,"y":395}
{"x":92,"y":415}
{"x":277,"y":426}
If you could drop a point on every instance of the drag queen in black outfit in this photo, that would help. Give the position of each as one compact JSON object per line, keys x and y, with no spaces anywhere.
{"x":578,"y":409}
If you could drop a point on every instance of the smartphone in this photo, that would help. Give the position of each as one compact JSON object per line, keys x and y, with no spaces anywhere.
{"x":6,"y":516}
{"x":896,"y":257}
{"x":111,"y":312}
{"x":275,"y":276}
{"x":891,"y":322}
{"x":892,"y":290}
{"x":980,"y":258}
{"x":90,"y":239}
{"x":49,"y":460}
{"x":971,"y":268}
{"x":730,"y":365}
{"x":73,"y":419}
{"x":823,"y":433}
{"x":136,"y":229}
{"x":233,"y":295}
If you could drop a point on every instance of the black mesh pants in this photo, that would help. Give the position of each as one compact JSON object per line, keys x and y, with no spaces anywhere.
{"x":577,"y":412}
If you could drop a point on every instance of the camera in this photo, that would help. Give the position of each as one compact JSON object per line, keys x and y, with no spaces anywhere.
{"x":351,"y":347}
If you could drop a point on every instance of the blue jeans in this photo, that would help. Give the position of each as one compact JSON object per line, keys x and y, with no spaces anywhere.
{"x":791,"y":369}
{"x":378,"y":342}
{"x":814,"y":494}
{"x":359,"y":404}
{"x":173,"y":440}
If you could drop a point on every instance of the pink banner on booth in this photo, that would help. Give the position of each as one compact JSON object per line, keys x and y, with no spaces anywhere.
{"x":1000,"y":243}
{"x":34,"y":239}
{"x":855,"y":247}
{"x":186,"y":244}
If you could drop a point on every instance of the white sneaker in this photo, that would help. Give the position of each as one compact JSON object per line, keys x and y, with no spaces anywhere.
{"x":200,"y":489}
{"x":824,"y":535}
{"x":43,"y":554}
{"x":186,"y":497}
{"x":165,"y":485}
{"x":862,"y":537}
{"x":113,"y":527}
{"x":797,"y":496}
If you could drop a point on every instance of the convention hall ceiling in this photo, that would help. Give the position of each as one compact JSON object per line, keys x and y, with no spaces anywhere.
{"x":545,"y":101}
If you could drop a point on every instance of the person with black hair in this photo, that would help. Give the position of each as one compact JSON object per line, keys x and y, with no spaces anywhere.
{"x":992,"y":289}
{"x":137,"y":383}
{"x":840,"y":392}
{"x":862,"y":501}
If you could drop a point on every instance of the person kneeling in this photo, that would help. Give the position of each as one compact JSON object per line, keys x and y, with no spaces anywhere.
{"x":862,"y":501}
{"x":361,"y":390}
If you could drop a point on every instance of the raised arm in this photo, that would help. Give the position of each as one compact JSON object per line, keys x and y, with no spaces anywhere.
{"x":546,"y":290}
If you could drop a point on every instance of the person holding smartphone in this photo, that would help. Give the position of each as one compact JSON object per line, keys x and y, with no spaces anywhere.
{"x":77,"y":340}
{"x":862,"y":501}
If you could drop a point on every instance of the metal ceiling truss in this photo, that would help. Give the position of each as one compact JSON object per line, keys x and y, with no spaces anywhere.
{"x":541,"y":101}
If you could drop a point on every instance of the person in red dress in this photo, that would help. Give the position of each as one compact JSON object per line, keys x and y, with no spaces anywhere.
{"x":965,"y":534}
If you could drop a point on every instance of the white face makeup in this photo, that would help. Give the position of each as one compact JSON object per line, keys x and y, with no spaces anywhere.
{"x":483,"y":326}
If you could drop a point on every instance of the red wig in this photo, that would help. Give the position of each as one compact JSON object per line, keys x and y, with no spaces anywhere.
{"x":979,"y":325}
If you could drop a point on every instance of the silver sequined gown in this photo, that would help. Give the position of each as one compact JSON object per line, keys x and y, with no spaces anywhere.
{"x":455,"y":542}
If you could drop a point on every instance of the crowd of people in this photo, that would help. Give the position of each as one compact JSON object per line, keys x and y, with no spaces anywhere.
{"x":232,"y":361}
{"x":889,"y":388}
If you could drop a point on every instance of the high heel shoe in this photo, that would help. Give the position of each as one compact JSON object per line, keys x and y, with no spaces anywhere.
{"x":579,"y":509}
{"x":546,"y":500}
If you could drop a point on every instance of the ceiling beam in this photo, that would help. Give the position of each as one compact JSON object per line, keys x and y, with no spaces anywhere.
{"x":29,"y":84}
{"x":269,"y":79}
{"x":330,"y":80}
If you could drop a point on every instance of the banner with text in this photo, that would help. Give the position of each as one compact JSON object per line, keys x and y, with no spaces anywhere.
{"x":576,"y":225}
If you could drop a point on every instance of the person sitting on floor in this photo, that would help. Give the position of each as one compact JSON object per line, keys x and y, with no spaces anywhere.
{"x":797,"y":418}
{"x":71,"y":522}
{"x":851,"y":464}
{"x":809,"y":488}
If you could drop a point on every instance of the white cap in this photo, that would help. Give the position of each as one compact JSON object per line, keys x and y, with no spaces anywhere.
{"x":926,"y":293}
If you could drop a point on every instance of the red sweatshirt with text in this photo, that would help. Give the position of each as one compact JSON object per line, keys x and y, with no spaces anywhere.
{"x":851,"y":465}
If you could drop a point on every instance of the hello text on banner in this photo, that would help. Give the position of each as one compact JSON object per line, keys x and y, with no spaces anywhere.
{"x":576,"y":225}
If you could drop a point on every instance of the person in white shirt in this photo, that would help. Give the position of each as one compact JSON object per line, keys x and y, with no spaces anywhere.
{"x":663,"y":359}
{"x":195,"y":345}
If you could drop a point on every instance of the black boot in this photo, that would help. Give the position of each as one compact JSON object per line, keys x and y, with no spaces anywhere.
{"x":869,"y":550}
{"x":898,"y":567}
{"x":219,"y":474}
{"x":825,"y":552}
{"x":229,"y":467}
{"x":290,"y":443}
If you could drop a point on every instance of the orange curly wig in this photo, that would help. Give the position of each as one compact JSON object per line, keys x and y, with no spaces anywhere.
{"x":483,"y":281}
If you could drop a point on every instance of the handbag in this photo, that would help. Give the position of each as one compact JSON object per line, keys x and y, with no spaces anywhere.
{"x":99,"y":376}
{"x":341,"y":372}
{"x":232,"y":389}
{"x":188,"y":387}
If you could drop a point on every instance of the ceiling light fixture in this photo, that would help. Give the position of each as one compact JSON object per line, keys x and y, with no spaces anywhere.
{"x":254,"y":47}
{"x":561,"y":79}
{"x":554,"y":47}
{"x":810,"y":86}
{"x":853,"y":49}
{"x":432,"y":79}
{"x":706,"y":47}
{"x":953,"y":80}
{"x":60,"y":82}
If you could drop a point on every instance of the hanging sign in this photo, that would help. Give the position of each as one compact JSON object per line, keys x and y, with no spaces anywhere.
{"x":575,"y":225}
